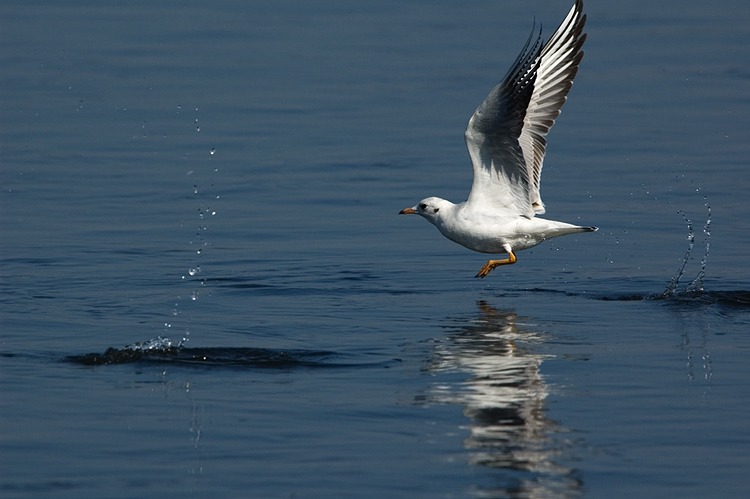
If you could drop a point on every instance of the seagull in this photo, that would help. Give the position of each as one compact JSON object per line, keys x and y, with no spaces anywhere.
{"x":506,"y":142}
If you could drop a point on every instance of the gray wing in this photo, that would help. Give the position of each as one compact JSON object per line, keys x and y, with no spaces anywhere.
{"x":506,"y":134}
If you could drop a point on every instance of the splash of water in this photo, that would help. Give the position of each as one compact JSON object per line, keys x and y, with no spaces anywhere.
{"x":158,"y":343}
{"x":201,"y":188}
{"x":672,"y":286}
{"x":696,"y":286}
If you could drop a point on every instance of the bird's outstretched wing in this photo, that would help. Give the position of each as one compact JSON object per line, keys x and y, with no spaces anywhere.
{"x":506,"y":134}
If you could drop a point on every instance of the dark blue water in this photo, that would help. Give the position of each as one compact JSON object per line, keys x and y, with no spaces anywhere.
{"x":206,"y":289}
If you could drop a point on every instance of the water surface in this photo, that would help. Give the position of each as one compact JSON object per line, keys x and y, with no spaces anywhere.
{"x":206,"y":290}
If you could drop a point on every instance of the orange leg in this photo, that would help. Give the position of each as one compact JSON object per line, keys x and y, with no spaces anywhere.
{"x":489,"y":266}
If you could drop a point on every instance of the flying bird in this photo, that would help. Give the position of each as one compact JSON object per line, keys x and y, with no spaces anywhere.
{"x":506,"y":142}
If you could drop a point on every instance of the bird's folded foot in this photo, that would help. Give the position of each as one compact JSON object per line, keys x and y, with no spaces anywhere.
{"x":484,"y":271}
{"x":490,"y":266}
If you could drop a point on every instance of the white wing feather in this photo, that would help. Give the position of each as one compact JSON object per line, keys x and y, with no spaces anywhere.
{"x":506,"y":134}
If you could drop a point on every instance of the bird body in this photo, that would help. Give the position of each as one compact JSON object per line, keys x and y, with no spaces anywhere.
{"x":506,"y":142}
{"x":488,"y":232}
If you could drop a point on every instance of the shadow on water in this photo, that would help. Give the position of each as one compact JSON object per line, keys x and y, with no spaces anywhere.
{"x":162,"y":351}
{"x":503,"y":398}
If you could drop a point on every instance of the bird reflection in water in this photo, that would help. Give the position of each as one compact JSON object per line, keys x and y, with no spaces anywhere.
{"x":504,"y":400}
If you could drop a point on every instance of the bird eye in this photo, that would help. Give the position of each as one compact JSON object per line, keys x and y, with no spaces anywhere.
{"x":423,"y":206}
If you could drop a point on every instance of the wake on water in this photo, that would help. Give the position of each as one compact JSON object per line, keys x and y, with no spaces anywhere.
{"x":165,"y":351}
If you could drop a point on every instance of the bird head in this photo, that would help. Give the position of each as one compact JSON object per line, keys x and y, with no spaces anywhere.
{"x":429,"y":208}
